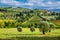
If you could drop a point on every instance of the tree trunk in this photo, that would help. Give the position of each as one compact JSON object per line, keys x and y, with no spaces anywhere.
{"x":43,"y":32}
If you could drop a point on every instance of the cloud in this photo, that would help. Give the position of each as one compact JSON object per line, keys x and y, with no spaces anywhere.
{"x":10,"y":2}
{"x":14,"y":2}
{"x":46,"y":4}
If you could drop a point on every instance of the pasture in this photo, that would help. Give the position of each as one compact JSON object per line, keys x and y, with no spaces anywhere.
{"x":12,"y":32}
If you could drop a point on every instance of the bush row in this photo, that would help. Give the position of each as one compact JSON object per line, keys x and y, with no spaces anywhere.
{"x":8,"y":23}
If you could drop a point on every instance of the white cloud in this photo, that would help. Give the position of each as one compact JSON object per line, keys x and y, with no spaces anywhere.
{"x":10,"y":2}
{"x":52,"y":4}
{"x":48,"y":4}
{"x":32,"y":3}
{"x":36,"y":2}
{"x":15,"y":3}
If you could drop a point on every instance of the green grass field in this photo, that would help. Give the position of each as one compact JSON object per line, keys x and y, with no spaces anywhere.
{"x":12,"y":32}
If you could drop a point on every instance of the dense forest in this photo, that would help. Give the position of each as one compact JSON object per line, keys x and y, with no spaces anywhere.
{"x":13,"y":17}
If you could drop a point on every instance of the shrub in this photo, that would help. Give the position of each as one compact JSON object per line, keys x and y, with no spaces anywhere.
{"x":32,"y":29}
{"x":51,"y":27}
{"x":1,"y":14}
{"x":30,"y":25}
{"x":36,"y":25}
{"x":10,"y":23}
{"x":2,"y":24}
{"x":6,"y":24}
{"x":19,"y":28}
{"x":14,"y":24}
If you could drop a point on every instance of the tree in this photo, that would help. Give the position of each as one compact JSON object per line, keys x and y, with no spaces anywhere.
{"x":44,"y":26}
{"x":36,"y":25}
{"x":2,"y":24}
{"x":59,"y":16}
{"x":32,"y":29}
{"x":31,"y":26}
{"x":19,"y":28}
{"x":51,"y":26}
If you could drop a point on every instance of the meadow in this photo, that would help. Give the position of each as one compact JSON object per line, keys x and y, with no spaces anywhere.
{"x":12,"y":33}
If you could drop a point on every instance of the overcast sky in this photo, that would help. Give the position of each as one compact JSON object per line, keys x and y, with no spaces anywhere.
{"x":41,"y":4}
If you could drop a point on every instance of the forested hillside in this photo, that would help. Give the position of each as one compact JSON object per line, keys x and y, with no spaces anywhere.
{"x":12,"y":17}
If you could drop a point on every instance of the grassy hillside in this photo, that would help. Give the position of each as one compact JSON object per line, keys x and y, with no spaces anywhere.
{"x":57,"y":22}
{"x":25,"y":16}
{"x":12,"y":32}
{"x":33,"y":20}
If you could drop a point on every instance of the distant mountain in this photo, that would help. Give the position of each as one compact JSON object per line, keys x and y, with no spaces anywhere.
{"x":55,"y":10}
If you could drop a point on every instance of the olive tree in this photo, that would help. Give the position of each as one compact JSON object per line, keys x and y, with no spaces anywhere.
{"x":44,"y":26}
{"x":51,"y":25}
{"x":19,"y":28}
{"x":32,"y":28}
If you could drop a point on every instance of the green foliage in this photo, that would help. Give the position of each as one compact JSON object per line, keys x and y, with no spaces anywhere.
{"x":12,"y":23}
{"x":2,"y":24}
{"x":23,"y":16}
{"x":36,"y":25}
{"x":8,"y":23}
{"x":52,"y":26}
{"x":19,"y":28}
{"x":59,"y":16}
{"x":32,"y":29}
{"x":44,"y":26}
{"x":33,"y":20}
{"x":1,"y":14}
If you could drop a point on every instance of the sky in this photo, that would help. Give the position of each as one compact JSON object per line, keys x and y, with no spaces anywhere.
{"x":31,"y":4}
